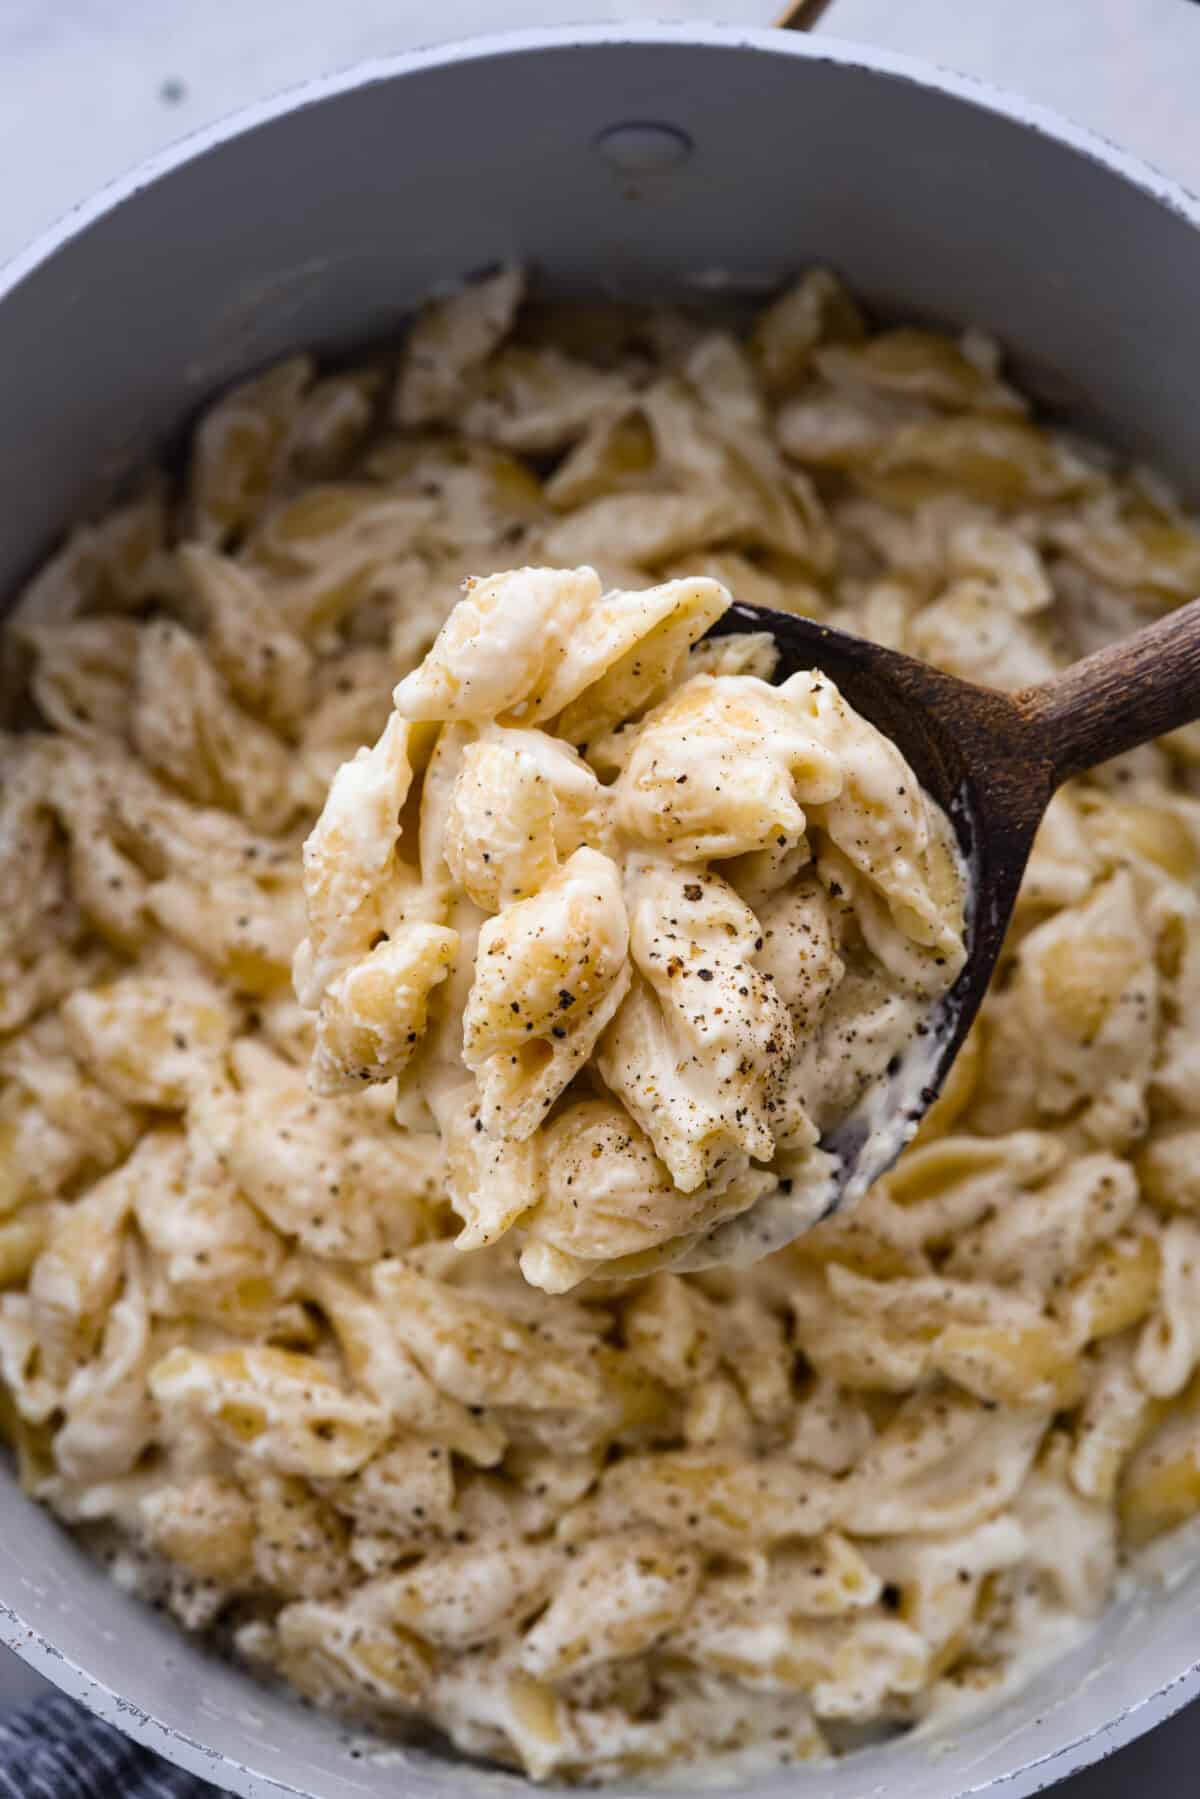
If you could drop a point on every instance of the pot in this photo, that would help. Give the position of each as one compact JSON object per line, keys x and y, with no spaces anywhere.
{"x":642,"y":161}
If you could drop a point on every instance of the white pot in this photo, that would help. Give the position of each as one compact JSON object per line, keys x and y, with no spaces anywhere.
{"x":318,"y":220}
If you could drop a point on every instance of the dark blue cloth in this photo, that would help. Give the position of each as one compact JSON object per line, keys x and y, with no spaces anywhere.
{"x":53,"y":1749}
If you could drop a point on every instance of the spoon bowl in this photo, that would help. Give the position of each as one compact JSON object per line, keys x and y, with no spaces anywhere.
{"x":993,"y":761}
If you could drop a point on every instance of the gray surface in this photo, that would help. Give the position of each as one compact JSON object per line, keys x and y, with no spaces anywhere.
{"x":87,"y":87}
{"x":17,"y":1682}
{"x":90,"y":88}
{"x":1129,"y":71}
{"x":317,"y":225}
{"x":318,"y":230}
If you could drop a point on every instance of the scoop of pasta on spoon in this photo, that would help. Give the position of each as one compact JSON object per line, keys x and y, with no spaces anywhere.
{"x":669,"y":914}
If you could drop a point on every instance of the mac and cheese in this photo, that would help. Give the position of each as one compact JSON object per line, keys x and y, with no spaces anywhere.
{"x":665,"y":987}
{"x":737,"y":1511}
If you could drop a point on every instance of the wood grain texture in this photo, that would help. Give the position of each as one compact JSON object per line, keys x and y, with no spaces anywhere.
{"x":1124,"y":695}
{"x":994,"y":760}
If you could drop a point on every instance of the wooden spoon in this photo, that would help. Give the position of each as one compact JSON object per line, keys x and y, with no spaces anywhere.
{"x":993,"y":761}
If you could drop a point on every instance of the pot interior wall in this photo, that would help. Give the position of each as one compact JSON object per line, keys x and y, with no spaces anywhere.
{"x":321,"y":227}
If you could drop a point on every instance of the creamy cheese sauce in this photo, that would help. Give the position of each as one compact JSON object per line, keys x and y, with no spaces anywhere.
{"x":672,"y":986}
{"x":728,"y":1516}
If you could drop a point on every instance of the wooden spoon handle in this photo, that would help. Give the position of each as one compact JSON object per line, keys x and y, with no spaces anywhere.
{"x":1122,"y":696}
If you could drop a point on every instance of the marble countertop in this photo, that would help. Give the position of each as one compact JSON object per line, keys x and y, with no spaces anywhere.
{"x":89,"y":88}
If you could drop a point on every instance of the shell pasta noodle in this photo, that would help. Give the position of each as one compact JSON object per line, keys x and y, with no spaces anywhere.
{"x":280,"y":1331}
{"x":652,"y":1054}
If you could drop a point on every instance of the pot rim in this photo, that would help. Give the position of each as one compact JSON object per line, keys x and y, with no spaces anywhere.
{"x":1142,"y":1713}
{"x":766,"y":40}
